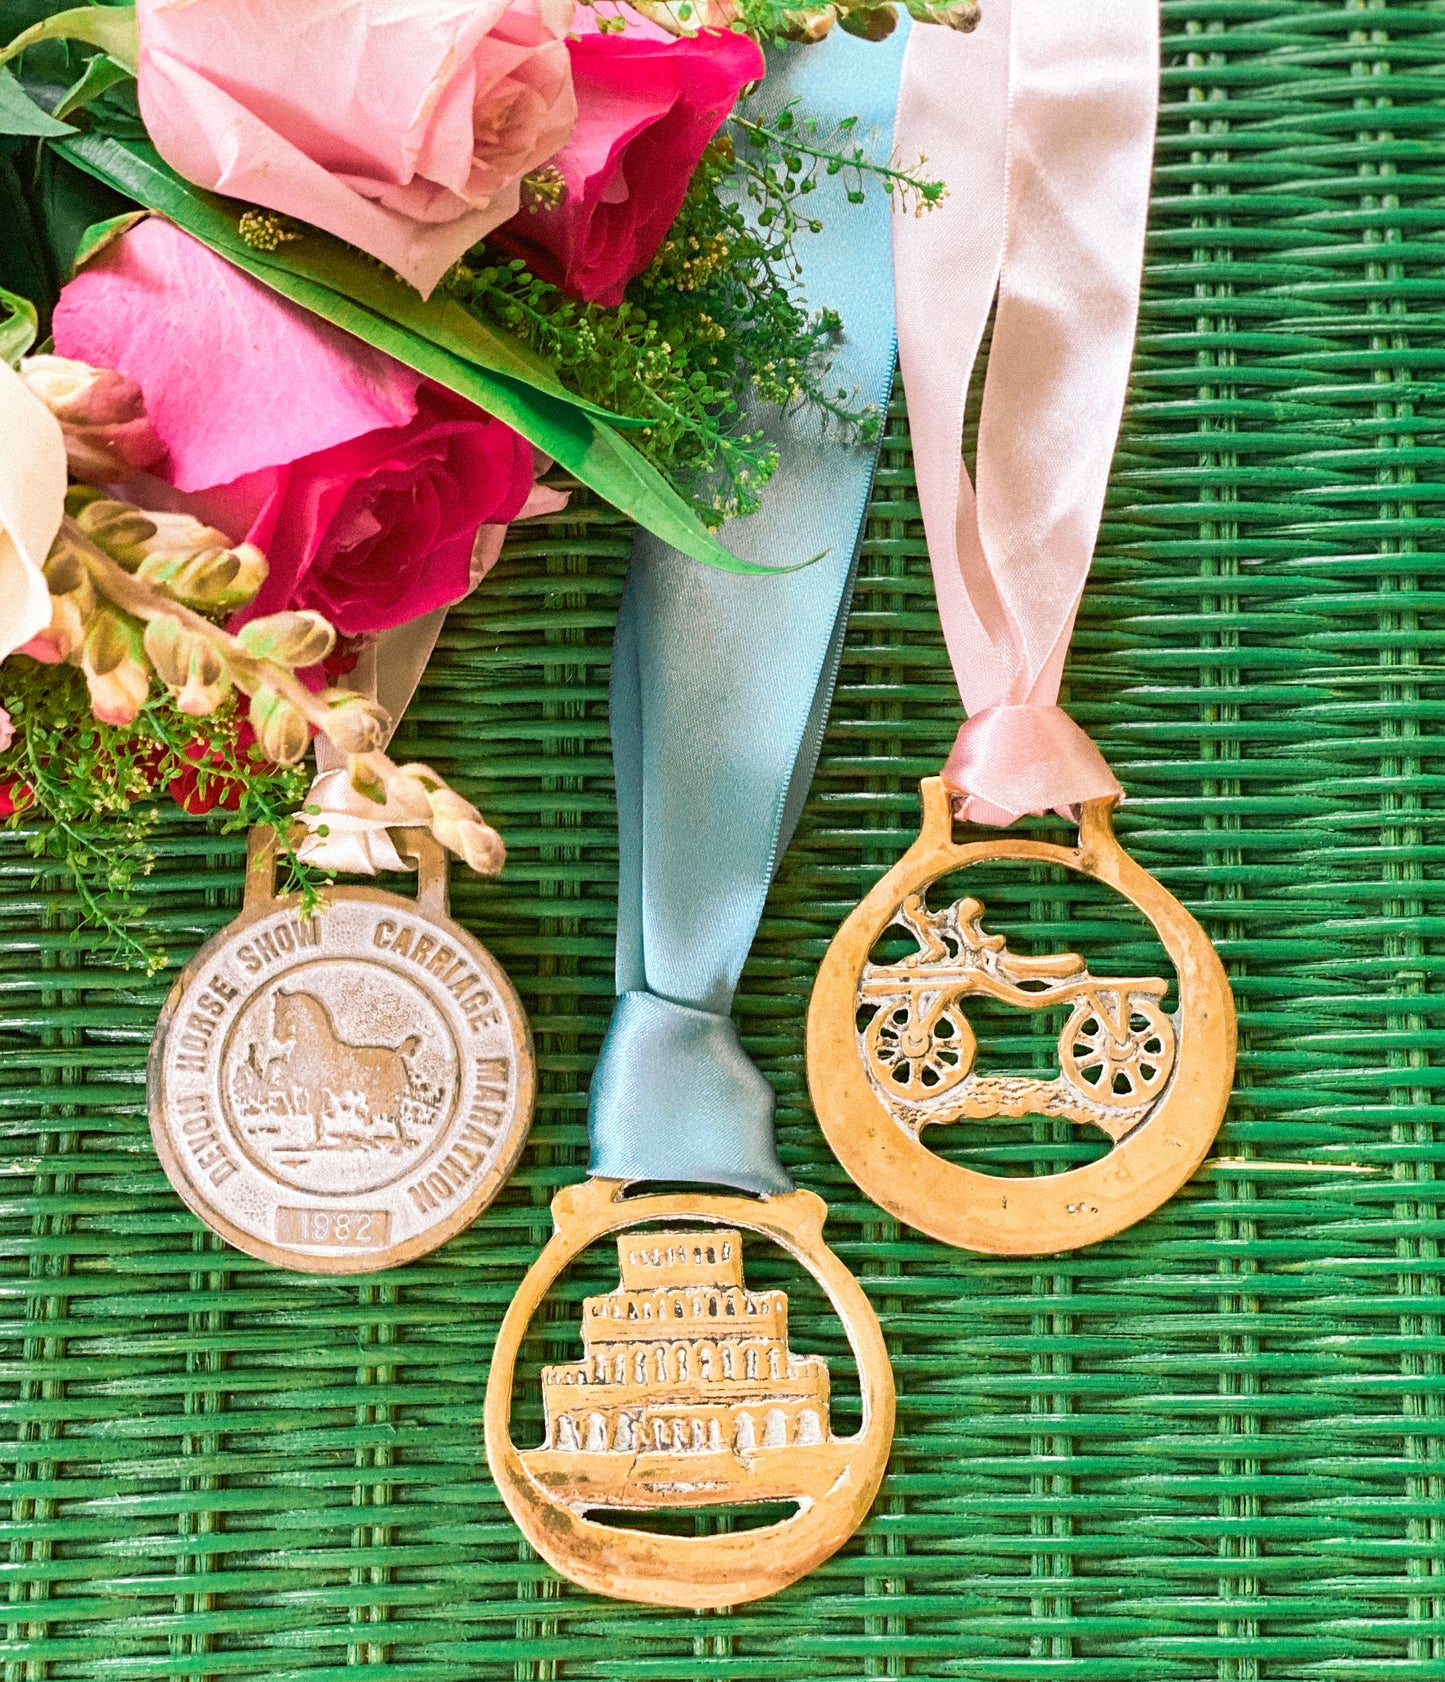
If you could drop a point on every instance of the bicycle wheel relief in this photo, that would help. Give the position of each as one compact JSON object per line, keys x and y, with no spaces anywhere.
{"x":1116,"y":1050}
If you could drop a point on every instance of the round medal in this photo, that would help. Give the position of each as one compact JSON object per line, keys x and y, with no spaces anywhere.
{"x":688,"y":1395}
{"x":342,"y":1092}
{"x":891,"y":1051}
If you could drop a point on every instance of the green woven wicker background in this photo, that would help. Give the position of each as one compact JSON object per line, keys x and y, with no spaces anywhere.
{"x":1213,"y":1448}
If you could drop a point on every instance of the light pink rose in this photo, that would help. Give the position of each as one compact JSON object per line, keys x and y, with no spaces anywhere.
{"x":7,"y":730}
{"x":403,"y":126}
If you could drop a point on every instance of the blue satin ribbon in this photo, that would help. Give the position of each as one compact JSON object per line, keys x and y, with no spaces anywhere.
{"x":720,"y":692}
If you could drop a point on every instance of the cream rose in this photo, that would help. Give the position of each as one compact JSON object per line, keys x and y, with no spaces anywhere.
{"x":32,"y":504}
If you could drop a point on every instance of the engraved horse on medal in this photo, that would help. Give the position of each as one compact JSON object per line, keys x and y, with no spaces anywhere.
{"x":350,"y":1096}
{"x":320,"y":1097}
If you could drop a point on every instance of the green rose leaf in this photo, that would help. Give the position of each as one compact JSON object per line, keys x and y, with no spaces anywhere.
{"x":99,"y":235}
{"x":111,"y":28}
{"x":19,"y":114}
{"x":484,"y":365}
{"x":100,"y":73}
{"x":18,"y":326}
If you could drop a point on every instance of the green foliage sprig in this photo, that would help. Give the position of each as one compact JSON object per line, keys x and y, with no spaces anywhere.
{"x":85,"y":794}
{"x":718,"y":318}
{"x":783,"y":158}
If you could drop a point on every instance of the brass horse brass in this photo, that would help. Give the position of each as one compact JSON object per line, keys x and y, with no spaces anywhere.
{"x":341,"y":1092}
{"x":687,"y":1396}
{"x":891,"y":1050}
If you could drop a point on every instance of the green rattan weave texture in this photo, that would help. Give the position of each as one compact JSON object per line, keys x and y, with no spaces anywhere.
{"x":1213,"y":1448}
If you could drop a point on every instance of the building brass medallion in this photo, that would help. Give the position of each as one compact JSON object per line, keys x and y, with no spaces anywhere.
{"x":342,"y":1092}
{"x":687,"y":1392}
{"x":891,"y":1050}
{"x":688,"y":1395}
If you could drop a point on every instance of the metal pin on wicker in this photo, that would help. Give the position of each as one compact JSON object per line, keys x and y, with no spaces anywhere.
{"x":1155,"y":1084}
{"x":341,"y":1092}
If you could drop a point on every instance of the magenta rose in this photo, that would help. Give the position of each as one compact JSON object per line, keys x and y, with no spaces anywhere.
{"x":375,"y":531}
{"x":365,"y":485}
{"x":646,"y":109}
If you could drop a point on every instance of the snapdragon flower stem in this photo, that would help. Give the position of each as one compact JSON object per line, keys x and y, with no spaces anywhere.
{"x":247,"y":671}
{"x":144,"y":602}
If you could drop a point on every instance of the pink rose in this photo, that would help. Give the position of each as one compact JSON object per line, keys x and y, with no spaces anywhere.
{"x":646,"y":109}
{"x":376,"y":531}
{"x":403,"y":126}
{"x":365,"y":485}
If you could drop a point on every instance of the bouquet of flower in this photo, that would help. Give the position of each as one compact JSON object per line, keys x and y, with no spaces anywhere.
{"x":302,"y":304}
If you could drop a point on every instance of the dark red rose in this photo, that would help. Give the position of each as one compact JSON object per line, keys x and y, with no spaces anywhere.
{"x":15,"y":796}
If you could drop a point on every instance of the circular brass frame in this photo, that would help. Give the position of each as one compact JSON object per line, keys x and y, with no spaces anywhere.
{"x":1043,"y":1215}
{"x":709,"y":1571}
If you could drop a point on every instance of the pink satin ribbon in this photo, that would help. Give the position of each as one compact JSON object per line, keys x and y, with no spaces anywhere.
{"x":1042,"y":124}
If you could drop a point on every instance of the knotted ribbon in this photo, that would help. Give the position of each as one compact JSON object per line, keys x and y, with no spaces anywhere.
{"x":720,"y":691}
{"x":357,"y":839}
{"x":1042,"y":125}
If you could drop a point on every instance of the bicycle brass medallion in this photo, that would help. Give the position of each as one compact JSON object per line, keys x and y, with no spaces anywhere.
{"x":342,"y":1092}
{"x":891,"y":1050}
{"x":688,"y":1396}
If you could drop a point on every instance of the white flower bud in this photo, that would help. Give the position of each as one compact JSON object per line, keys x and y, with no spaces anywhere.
{"x":366,"y":782}
{"x":189,"y":665}
{"x":448,"y":806}
{"x":101,"y":413}
{"x":422,"y":775}
{"x":294,"y":639}
{"x":119,"y":529}
{"x":482,"y":848}
{"x":191,"y":562}
{"x":355,"y":724}
{"x":72,"y":603}
{"x":164,"y":644}
{"x":209,"y":576}
{"x":281,"y":728}
{"x":116,"y":673}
